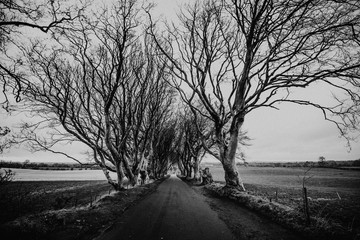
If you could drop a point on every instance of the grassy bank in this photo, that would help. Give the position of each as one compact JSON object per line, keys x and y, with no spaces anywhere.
{"x":320,"y":227}
{"x":23,"y":198}
{"x":86,"y":220}
{"x":333,"y":198}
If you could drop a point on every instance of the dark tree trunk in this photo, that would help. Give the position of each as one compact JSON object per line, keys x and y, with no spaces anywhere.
{"x":120,"y":177}
{"x":228,"y":152}
{"x":197,"y":176}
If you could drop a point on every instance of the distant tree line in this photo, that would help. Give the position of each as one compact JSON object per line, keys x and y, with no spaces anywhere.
{"x":324,"y":164}
{"x":187,"y":169}
{"x":47,"y":166}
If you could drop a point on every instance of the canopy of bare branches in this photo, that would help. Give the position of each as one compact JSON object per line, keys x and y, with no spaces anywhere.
{"x":237,"y":56}
{"x":110,"y":77}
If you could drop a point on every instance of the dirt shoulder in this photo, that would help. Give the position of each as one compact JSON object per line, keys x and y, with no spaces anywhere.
{"x":84,"y":222}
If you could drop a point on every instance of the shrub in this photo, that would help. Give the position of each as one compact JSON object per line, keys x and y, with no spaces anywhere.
{"x":6,"y":176}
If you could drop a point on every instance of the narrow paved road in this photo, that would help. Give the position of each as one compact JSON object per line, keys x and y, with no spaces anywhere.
{"x":173,"y":212}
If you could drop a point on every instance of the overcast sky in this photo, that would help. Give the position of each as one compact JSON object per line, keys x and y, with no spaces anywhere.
{"x":293,"y":133}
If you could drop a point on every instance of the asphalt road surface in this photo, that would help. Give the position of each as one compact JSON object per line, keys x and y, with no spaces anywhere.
{"x":174,"y":211}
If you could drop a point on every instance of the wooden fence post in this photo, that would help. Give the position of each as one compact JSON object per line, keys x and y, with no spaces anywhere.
{"x":306,"y":206}
{"x":91,"y":198}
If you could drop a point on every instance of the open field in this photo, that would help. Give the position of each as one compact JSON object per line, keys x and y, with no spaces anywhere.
{"x":322,"y":179}
{"x":58,"y":175}
{"x":333,"y":194}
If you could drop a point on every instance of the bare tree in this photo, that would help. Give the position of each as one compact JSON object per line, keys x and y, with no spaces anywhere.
{"x":17,"y":16}
{"x":165,"y":144}
{"x":197,"y":136}
{"x":202,"y":52}
{"x":321,"y":161}
{"x":100,"y":84}
{"x":4,"y":142}
{"x":237,"y":56}
{"x":153,"y":113}
{"x":291,"y":44}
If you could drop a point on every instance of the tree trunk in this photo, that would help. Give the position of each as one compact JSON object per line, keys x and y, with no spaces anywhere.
{"x":197,"y":168}
{"x":232,"y":177}
{"x":102,"y":165}
{"x":120,"y":177}
{"x":189,"y":171}
{"x":110,"y":181}
{"x":143,"y":165}
{"x":181,"y":168}
{"x":129,"y":172}
{"x":114,"y":152}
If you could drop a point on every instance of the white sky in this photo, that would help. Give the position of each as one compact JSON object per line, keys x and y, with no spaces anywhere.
{"x":294,"y":133}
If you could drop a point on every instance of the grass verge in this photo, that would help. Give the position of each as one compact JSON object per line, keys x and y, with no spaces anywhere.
{"x":85,"y":222}
{"x":293,"y":218}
